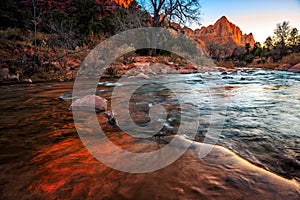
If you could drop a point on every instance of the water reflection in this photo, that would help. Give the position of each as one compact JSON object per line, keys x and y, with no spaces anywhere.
{"x":41,"y":149}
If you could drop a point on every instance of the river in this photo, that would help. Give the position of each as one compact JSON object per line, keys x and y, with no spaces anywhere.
{"x":260,"y":123}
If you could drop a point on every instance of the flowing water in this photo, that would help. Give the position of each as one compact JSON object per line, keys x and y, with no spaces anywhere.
{"x":260,"y":118}
{"x":258,"y":114}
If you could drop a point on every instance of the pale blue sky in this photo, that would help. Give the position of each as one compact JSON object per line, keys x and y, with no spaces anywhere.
{"x":257,"y":16}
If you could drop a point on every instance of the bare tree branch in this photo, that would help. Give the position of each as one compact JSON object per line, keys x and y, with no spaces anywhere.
{"x":181,"y":11}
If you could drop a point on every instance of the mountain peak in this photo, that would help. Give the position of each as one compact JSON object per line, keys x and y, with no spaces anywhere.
{"x":223,"y":18}
{"x":225,"y":32}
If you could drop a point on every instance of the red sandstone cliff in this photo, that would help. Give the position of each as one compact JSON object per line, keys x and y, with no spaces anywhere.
{"x":109,"y":6}
{"x":124,"y":3}
{"x":222,"y":32}
{"x":220,"y":39}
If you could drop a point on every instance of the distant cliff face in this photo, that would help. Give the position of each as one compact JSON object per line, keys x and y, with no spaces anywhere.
{"x":223,"y":32}
{"x":220,"y":39}
{"x":124,"y":3}
{"x":109,"y":6}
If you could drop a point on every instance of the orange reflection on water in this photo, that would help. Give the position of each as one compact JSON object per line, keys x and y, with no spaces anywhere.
{"x":68,"y":171}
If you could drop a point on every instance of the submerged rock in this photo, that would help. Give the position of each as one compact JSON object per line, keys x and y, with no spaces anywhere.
{"x":109,"y":115}
{"x":91,"y":102}
{"x":227,"y":77}
{"x":220,"y":175}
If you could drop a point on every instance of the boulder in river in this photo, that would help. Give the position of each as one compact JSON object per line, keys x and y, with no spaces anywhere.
{"x":295,"y":68}
{"x":284,"y":67}
{"x":91,"y":102}
{"x":220,"y":175}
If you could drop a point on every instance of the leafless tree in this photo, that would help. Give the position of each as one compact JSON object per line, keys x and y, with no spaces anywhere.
{"x":64,"y":31}
{"x":36,"y":20}
{"x":63,"y":36}
{"x":130,"y":18}
{"x":180,"y":11}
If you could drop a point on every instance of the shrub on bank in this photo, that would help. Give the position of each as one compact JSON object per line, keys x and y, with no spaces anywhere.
{"x":291,"y":59}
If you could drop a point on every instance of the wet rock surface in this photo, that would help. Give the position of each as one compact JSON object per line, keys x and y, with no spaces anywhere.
{"x":90,"y":102}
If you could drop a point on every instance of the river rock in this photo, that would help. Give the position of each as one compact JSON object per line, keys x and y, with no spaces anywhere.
{"x":185,"y":71}
{"x":295,"y":68}
{"x":88,"y":102}
{"x":119,"y":66}
{"x":15,"y":77}
{"x":140,"y":76}
{"x":232,"y":71}
{"x":284,"y":67}
{"x":27,"y":80}
{"x":144,"y":59}
{"x":227,"y":77}
{"x":222,"y":69}
{"x":110,"y":118}
{"x":4,"y":73}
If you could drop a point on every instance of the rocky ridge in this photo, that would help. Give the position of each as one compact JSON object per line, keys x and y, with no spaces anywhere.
{"x":108,"y":6}
{"x":222,"y":32}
